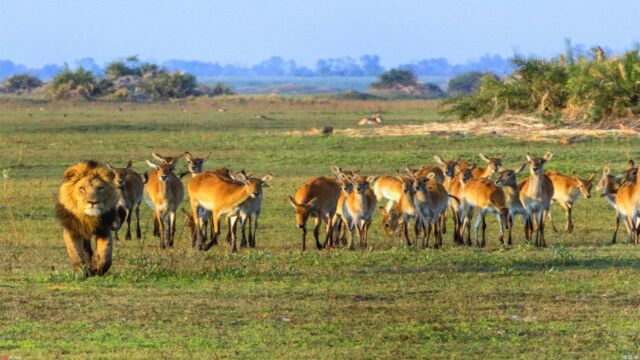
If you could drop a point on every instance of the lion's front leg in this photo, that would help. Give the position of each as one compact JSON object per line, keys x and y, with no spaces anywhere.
{"x":101,"y":261}
{"x":80,"y":256}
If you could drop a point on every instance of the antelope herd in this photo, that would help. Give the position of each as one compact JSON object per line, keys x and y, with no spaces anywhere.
{"x":345,"y":202}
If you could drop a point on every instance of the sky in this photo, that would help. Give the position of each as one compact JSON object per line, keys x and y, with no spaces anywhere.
{"x":245,"y":32}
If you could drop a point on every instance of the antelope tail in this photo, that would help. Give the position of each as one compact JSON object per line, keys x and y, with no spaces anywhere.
{"x":454,"y":198}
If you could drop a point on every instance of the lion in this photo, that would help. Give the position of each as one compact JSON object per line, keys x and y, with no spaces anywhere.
{"x":86,"y":207}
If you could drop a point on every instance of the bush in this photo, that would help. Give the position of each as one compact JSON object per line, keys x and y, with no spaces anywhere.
{"x":590,"y":88}
{"x":394,"y":78}
{"x":21,"y":83}
{"x":167,"y":85}
{"x":68,"y":84}
{"x":464,"y":84}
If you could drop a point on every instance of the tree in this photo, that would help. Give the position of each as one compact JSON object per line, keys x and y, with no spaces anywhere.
{"x":167,"y":85}
{"x":465,"y":83}
{"x":21,"y":83}
{"x":68,"y":84}
{"x":394,"y":78}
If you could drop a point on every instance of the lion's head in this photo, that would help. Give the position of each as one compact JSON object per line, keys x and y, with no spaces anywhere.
{"x":88,"y":189}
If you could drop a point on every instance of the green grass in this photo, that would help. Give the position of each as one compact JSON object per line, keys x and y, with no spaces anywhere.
{"x":576,"y":299}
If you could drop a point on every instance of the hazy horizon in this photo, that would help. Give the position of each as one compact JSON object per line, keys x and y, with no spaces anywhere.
{"x":35,"y":33}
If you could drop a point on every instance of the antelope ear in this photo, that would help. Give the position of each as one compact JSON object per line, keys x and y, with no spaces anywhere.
{"x":431,"y":176}
{"x":312,"y":203}
{"x":605,"y":170}
{"x":371,"y":179}
{"x":548,"y":155}
{"x":591,"y":177}
{"x":207,"y":157}
{"x":266,"y":179}
{"x":336,"y":170}
{"x":158,"y":157}
{"x":521,"y":168}
{"x":152,"y":165}
{"x":110,"y":167}
{"x":128,"y":165}
{"x":408,"y":169}
{"x":529,"y":157}
{"x":484,"y":158}
{"x":293,"y":202}
{"x":631,"y":164}
{"x":187,"y":155}
{"x":438,"y":159}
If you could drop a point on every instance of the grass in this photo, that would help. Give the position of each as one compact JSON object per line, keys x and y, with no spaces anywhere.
{"x":576,"y":299}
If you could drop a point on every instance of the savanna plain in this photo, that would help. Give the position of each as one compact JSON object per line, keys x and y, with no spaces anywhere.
{"x":577,"y":298}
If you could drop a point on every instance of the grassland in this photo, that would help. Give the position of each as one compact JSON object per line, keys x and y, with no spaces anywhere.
{"x":579,"y":298}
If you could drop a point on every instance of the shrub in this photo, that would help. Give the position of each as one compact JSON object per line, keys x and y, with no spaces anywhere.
{"x":590,"y":88}
{"x":466,"y":83}
{"x":167,"y":85}
{"x":21,"y":83}
{"x":68,"y":84}
{"x":395,"y":77}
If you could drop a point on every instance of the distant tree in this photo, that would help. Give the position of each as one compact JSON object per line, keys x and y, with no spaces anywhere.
{"x":167,"y":85}
{"x":118,"y":69}
{"x":394,"y":78}
{"x":465,"y":83}
{"x":371,"y":65}
{"x":21,"y":83}
{"x":80,"y":82}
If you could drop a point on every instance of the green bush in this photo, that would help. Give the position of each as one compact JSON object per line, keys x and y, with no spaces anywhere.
{"x":167,"y":85}
{"x":466,"y":83}
{"x":590,"y":88}
{"x":21,"y":83}
{"x":395,"y":77}
{"x":68,"y":84}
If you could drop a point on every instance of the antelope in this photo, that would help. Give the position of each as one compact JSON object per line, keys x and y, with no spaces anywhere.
{"x":388,"y":187}
{"x":376,"y":119}
{"x":536,"y":193}
{"x":249,"y":211}
{"x":494,"y":165}
{"x":130,"y":190}
{"x":452,"y":185}
{"x":339,"y":234}
{"x":566,"y":190}
{"x":164,"y":160}
{"x":627,"y":204}
{"x":609,"y":190}
{"x":317,"y":198}
{"x":194,"y":164}
{"x":485,"y":196}
{"x":430,"y":200}
{"x":166,"y":192}
{"x":402,"y":213}
{"x":507,"y":181}
{"x":221,"y":196}
{"x":358,"y":208}
{"x":426,"y":170}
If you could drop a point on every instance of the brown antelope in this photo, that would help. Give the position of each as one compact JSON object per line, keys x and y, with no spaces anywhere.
{"x":494,"y":165}
{"x":452,"y":185}
{"x":388,"y":187}
{"x":376,"y":119}
{"x":358,"y":209}
{"x":627,"y":205}
{"x":486,"y":197}
{"x":317,"y":198}
{"x":508,"y":182}
{"x":164,"y":160}
{"x":166,"y":193}
{"x":426,"y":170}
{"x":430,"y":199}
{"x":130,"y":189}
{"x":248,"y":211}
{"x":339,"y":233}
{"x":402,"y":213}
{"x":566,"y":190}
{"x":536,"y":194}
{"x":194,"y":164}
{"x":221,"y":196}
{"x":609,"y":190}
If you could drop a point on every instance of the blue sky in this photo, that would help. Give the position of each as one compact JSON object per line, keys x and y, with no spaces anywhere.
{"x":248,"y":31}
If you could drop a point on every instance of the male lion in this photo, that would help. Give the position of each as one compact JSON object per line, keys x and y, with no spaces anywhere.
{"x":86,"y":207}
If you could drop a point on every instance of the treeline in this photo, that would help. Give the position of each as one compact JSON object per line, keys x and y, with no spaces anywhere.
{"x":366,"y":65}
{"x":587,"y":87}
{"x":120,"y":80}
